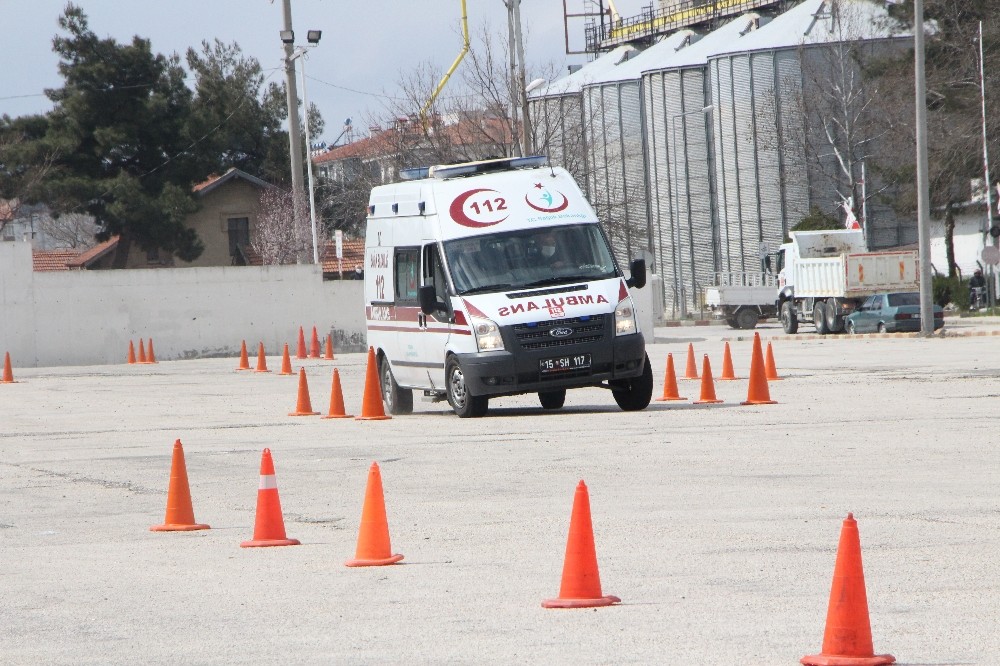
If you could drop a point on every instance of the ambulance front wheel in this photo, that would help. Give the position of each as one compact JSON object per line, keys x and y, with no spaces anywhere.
{"x":634,"y":394}
{"x":397,"y":400}
{"x":464,"y":403}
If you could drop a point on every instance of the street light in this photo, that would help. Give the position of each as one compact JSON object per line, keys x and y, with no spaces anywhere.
{"x":675,"y":208}
{"x":313,"y":37}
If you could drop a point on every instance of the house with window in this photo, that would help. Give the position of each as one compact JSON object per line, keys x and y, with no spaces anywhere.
{"x":225,"y":221}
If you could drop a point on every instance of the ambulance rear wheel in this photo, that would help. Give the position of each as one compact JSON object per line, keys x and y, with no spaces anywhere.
{"x":552,"y":399}
{"x":397,"y":400}
{"x":635,"y":394}
{"x":464,"y":403}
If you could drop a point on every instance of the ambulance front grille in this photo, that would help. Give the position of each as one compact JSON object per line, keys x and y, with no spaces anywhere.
{"x":538,"y":336}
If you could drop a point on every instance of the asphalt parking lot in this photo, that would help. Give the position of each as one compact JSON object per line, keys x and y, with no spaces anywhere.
{"x":717,"y":525}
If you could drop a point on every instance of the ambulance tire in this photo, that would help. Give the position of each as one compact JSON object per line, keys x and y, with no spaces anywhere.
{"x":634,"y":394}
{"x":552,"y":399}
{"x":397,"y":400}
{"x":465,"y":404}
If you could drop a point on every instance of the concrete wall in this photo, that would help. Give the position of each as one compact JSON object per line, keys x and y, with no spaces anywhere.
{"x":88,"y":317}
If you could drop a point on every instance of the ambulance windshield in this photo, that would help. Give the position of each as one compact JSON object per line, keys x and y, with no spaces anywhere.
{"x":529,"y":258}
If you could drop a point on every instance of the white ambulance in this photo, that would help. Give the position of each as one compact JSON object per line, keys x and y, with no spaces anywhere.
{"x":494,"y":278}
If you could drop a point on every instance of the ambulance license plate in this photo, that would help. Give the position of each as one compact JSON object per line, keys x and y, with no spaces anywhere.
{"x":549,"y":366}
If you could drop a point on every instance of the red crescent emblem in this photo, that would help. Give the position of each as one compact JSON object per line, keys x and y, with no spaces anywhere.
{"x":457,"y":210}
{"x":562,"y":206}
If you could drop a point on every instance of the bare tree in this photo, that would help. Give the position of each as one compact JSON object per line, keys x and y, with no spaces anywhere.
{"x":72,"y":230}
{"x":277,"y":237}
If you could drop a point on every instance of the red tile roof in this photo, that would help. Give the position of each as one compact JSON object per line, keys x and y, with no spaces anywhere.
{"x":94,"y":253}
{"x":52,"y":260}
{"x":354,"y":254}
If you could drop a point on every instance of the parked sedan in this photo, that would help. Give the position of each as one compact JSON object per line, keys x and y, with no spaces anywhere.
{"x":890,"y":313}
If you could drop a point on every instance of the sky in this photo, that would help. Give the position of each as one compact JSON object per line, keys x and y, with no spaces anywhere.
{"x":352,"y":73}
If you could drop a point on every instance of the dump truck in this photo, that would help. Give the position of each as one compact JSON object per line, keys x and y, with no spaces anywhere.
{"x":823,"y":276}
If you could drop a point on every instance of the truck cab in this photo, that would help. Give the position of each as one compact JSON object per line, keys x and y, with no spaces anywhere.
{"x":495,"y":278}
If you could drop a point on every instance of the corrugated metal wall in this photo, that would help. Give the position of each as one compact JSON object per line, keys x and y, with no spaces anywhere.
{"x":760,"y":165}
{"x":559,"y":132}
{"x":681,"y":183}
{"x":616,"y":170}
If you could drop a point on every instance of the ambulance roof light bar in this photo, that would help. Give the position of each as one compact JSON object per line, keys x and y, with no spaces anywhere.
{"x":444,"y":171}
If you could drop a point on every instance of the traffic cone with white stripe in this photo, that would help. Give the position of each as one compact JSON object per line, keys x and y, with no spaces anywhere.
{"x":269,"y":526}
{"x":180,"y":513}
{"x":374,"y":548}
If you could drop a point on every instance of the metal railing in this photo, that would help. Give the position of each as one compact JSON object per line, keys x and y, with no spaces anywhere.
{"x":744,"y":279}
{"x":652,"y":23}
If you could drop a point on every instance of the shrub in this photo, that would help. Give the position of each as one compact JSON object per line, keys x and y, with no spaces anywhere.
{"x":953,"y":290}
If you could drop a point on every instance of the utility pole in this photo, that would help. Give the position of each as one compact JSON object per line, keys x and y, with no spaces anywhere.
{"x":527,"y":143}
{"x":294,"y":132}
{"x":923,"y":196}
{"x":513,"y":78}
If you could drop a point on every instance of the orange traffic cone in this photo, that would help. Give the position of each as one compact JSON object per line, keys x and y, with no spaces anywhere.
{"x":180,"y":514}
{"x":269,"y":526}
{"x":770,"y":371}
{"x":373,"y":548}
{"x":371,"y":402}
{"x":261,"y":359}
{"x":152,"y":354}
{"x":847,"y":640}
{"x":142,"y":352}
{"x":314,"y":345}
{"x":300,"y":350}
{"x":691,"y":371}
{"x":727,"y":366}
{"x":303,"y":407}
{"x":707,"y":385}
{"x":329,"y":347}
{"x":131,"y":353}
{"x":8,"y":374}
{"x":244,"y":361}
{"x":286,"y":362}
{"x":757,"y":391}
{"x":670,"y":382}
{"x":581,"y":580}
{"x":336,"y":399}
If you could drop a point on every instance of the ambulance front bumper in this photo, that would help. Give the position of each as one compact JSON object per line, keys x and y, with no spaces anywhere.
{"x":510,"y":373}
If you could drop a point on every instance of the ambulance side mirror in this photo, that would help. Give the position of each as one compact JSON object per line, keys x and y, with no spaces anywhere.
{"x":427,"y":298}
{"x":638,"y":270}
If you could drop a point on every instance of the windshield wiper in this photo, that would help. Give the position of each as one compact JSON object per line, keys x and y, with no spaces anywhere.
{"x":488,"y":287}
{"x":564,"y":279}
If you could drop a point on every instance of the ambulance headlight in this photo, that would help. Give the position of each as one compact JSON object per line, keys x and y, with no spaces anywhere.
{"x":625,"y":318}
{"x":487,"y":334}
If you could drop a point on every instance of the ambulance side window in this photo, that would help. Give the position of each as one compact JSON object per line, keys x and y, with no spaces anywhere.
{"x":434,"y":275}
{"x":407,"y":272}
